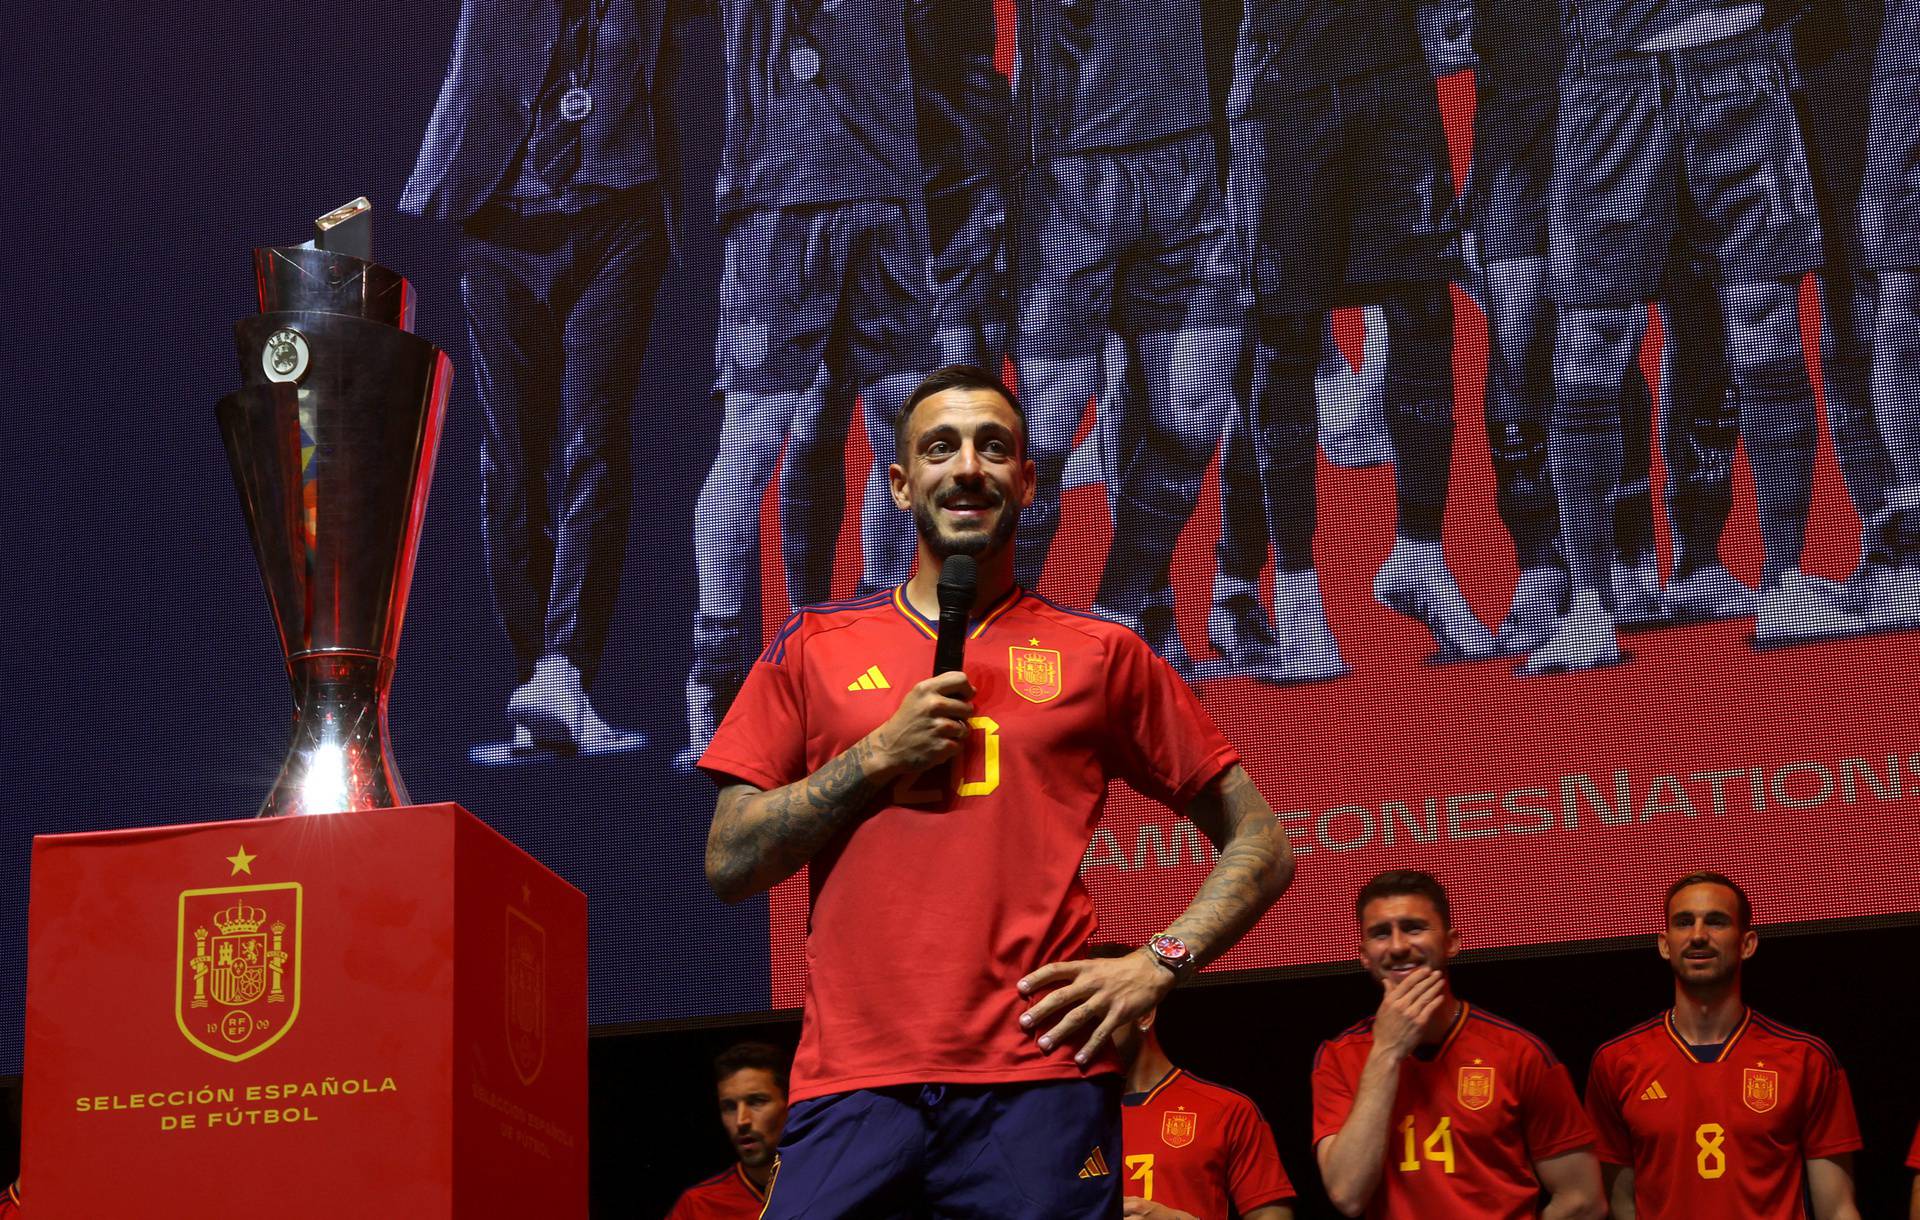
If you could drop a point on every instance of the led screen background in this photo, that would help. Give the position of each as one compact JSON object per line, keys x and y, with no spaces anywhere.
{"x":143,"y":681}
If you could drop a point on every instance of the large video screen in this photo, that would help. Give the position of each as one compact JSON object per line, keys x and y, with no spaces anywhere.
{"x":1512,"y":474}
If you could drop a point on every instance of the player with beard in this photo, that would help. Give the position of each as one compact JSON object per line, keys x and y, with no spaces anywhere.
{"x":1668,"y":101}
{"x":1711,"y":1110}
{"x":955,"y":1049}
{"x":1341,"y":192}
{"x":751,"y":1081}
{"x":1432,"y":1107}
{"x":1890,"y":230}
{"x":821,"y":195}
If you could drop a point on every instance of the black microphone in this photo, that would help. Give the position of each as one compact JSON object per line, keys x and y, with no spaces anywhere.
{"x":957,"y":577}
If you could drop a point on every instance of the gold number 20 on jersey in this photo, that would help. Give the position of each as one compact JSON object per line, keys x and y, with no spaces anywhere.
{"x":925,"y":788}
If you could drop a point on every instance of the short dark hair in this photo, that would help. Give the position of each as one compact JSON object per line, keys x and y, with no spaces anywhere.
{"x":1405,"y":883}
{"x":742,"y":1056}
{"x":953,"y":377}
{"x":1709,"y":877}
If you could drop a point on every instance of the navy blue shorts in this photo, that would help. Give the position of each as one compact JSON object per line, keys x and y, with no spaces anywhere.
{"x":1132,"y":242}
{"x":1509,"y":184}
{"x":1338,"y":191}
{"x":845,"y":282}
{"x":1694,"y":155}
{"x":1043,"y":1151}
{"x":1890,"y":198}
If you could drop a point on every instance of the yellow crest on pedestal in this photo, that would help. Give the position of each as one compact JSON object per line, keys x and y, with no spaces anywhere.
{"x":526,"y":995}
{"x":236,"y":977}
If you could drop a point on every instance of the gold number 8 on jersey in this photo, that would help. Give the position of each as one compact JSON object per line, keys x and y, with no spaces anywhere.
{"x":1712,"y":1161}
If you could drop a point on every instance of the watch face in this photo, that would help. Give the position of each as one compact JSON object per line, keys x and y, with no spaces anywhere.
{"x":1169,"y":947}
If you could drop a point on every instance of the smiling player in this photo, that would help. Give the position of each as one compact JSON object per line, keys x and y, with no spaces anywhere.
{"x":1432,"y":1107}
{"x":943,"y":823}
{"x":1710,"y":1109}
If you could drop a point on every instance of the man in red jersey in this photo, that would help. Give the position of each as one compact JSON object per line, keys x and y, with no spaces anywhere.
{"x":1433,"y":1108}
{"x":944,"y":821}
{"x":1710,"y":1109}
{"x":1194,"y":1150}
{"x":751,"y":1080}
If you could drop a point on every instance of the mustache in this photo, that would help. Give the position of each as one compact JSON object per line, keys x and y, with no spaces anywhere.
{"x":990,"y":496}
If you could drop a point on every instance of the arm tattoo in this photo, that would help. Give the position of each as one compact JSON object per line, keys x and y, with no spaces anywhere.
{"x":1254,"y":867}
{"x":759,"y":839}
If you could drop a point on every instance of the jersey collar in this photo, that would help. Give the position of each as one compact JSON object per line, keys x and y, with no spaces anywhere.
{"x":1673,"y":1031}
{"x":986,"y":618}
{"x":747,"y":1182}
{"x":1141,"y":1099}
{"x":1430,"y":1053}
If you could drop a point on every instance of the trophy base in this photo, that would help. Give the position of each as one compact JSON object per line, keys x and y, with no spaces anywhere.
{"x":340,"y":760}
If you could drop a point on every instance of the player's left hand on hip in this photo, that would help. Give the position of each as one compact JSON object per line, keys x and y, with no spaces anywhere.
{"x":1094,"y":997}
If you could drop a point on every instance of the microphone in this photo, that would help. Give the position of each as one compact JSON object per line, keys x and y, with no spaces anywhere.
{"x":957,"y":577}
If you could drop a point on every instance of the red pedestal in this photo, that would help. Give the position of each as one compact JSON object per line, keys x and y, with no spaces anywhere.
{"x":369,"y":1014}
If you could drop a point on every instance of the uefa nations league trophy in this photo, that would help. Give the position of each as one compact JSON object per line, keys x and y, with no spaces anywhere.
{"x":332,"y":442}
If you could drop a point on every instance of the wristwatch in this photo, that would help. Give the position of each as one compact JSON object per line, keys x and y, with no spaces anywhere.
{"x":1172,"y":952}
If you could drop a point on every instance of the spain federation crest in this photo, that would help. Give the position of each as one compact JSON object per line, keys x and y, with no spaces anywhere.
{"x":1178,"y":1127}
{"x":1760,"y":1089}
{"x":1034,"y":673}
{"x":526,"y":995}
{"x":1476,"y":1086}
{"x":236,"y":979}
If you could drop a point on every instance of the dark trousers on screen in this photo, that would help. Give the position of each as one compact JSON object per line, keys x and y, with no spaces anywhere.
{"x":558,"y":309}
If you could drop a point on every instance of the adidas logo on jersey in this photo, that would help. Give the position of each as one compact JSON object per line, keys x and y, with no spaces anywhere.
{"x":873,"y":679}
{"x":1095,"y":1166}
{"x":1653,"y":1092}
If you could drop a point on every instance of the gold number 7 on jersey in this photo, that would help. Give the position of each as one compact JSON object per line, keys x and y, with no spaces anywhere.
{"x":1142,"y":1167}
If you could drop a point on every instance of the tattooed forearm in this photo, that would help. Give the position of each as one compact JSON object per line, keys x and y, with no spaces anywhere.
{"x":1254,"y":867}
{"x":759,"y":839}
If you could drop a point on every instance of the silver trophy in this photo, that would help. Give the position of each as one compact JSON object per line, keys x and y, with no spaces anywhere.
{"x":332,"y":441}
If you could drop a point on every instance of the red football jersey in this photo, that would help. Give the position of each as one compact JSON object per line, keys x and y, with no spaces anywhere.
{"x":1198,"y":1148}
{"x":1730,"y":1137}
{"x":1913,"y":1154}
{"x":730,"y":1195}
{"x":929,"y":911}
{"x":1469,"y":1119}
